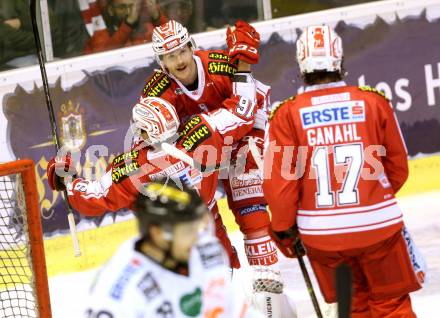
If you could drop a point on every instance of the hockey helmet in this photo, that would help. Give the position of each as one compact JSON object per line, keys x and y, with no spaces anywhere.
{"x":319,"y":48}
{"x":163,"y":203}
{"x":157,"y":117}
{"x":169,"y":37}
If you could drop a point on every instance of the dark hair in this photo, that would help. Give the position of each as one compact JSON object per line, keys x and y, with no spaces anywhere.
{"x":320,"y":77}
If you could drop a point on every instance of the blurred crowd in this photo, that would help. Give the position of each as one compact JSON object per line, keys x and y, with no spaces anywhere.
{"x":80,"y":27}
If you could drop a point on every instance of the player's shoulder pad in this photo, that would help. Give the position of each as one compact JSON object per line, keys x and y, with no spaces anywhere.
{"x":124,"y":165}
{"x":211,"y":253}
{"x":218,"y":64}
{"x":194,"y":132}
{"x":367,"y":88}
{"x":277,"y":107}
{"x":189,"y":124}
{"x":157,"y":84}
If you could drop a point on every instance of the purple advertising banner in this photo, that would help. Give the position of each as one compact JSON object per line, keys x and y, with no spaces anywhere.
{"x":401,"y":58}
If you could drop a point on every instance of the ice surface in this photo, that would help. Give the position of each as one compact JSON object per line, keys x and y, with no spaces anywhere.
{"x":422,"y":216}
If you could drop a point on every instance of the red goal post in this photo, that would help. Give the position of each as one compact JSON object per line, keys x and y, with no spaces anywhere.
{"x":24,"y":290}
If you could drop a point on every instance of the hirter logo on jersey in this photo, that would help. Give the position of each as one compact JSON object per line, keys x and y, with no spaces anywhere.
{"x":157,"y":85}
{"x":221,"y":68}
{"x":333,"y":114}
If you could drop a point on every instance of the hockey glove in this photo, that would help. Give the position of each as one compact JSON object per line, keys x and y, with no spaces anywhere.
{"x":57,"y":169}
{"x":243,"y":43}
{"x":288,"y":241}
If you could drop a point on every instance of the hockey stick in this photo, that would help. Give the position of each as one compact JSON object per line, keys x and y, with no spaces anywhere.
{"x":39,"y":51}
{"x":177,"y":153}
{"x":299,"y":250}
{"x":343,"y":290}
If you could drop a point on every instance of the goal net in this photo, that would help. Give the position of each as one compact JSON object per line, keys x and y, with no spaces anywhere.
{"x":24,"y":289}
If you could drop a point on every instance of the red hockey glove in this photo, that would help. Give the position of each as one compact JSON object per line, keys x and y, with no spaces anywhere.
{"x":243,"y":43}
{"x":57,"y":169}
{"x":288,"y":242}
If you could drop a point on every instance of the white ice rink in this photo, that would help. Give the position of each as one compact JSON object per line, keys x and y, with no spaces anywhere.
{"x":422,"y":217}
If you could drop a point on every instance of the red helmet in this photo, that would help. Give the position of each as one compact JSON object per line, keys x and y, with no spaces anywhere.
{"x":157,"y":117}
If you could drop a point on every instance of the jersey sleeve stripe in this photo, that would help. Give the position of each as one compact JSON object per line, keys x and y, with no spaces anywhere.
{"x":367,"y":208}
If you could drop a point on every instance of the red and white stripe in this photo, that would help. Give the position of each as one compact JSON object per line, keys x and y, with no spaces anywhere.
{"x":91,"y":15}
{"x":167,"y":30}
{"x":349,"y":220}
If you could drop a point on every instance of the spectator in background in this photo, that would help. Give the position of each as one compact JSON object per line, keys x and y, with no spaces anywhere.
{"x":16,"y":37}
{"x":180,"y":11}
{"x":221,"y":13}
{"x":233,"y":10}
{"x":72,"y":35}
{"x":128,"y":22}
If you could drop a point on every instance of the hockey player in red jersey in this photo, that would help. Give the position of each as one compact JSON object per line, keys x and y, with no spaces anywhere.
{"x":334,"y":160}
{"x":155,"y":124}
{"x":197,"y":81}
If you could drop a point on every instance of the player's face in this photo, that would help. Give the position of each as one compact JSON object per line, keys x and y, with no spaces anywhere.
{"x":185,"y":236}
{"x":180,"y":63}
{"x":121,"y":8}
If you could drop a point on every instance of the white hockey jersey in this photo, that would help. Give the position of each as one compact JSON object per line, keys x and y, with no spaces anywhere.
{"x":132,"y":285}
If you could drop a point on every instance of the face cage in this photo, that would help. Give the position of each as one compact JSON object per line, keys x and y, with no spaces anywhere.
{"x":158,"y":58}
{"x":137,"y":132}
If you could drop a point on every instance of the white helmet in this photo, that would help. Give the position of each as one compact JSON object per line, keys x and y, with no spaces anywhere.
{"x":157,"y":117}
{"x":319,"y":48}
{"x":169,"y":37}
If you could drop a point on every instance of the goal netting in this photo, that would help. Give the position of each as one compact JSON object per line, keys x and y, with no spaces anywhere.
{"x":23,"y":279}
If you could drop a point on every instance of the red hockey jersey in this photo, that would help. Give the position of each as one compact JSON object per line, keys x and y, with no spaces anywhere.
{"x":334,"y":159}
{"x":214,"y":85}
{"x":204,"y":138}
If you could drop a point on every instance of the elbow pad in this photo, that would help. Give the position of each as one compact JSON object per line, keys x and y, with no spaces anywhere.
{"x":244,"y":85}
